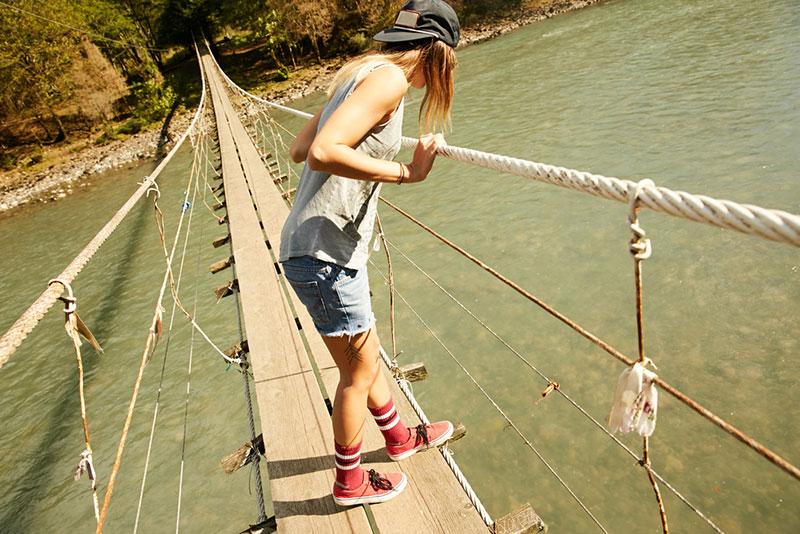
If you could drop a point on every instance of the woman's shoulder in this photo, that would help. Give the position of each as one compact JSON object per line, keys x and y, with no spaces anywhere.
{"x":383,"y":69}
{"x":383,"y":80}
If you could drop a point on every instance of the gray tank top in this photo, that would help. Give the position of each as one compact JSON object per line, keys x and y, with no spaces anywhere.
{"x":333,"y":217}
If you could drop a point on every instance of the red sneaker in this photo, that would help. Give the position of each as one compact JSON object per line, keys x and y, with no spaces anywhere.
{"x":422,"y":437}
{"x":374,"y":489}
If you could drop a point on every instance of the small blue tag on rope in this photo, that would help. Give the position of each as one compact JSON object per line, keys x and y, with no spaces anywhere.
{"x":186,"y":204}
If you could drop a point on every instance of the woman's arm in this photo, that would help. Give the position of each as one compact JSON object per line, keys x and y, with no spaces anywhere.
{"x":299,"y":149}
{"x":332,"y":150}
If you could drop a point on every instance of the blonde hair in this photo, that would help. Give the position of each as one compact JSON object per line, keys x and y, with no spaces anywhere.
{"x":437,"y":61}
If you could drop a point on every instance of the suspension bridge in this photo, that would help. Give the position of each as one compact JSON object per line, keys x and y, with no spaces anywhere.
{"x":285,"y":361}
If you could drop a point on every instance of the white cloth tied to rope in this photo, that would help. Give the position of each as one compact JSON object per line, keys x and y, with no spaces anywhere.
{"x":635,"y":402}
{"x":85,"y":465}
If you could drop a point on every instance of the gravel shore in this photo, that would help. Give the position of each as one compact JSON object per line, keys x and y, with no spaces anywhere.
{"x":20,"y":187}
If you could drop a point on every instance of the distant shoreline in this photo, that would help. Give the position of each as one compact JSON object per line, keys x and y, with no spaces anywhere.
{"x":317,"y":77}
{"x":24,"y":187}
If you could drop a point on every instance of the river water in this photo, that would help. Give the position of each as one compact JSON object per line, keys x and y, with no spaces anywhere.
{"x":700,"y":96}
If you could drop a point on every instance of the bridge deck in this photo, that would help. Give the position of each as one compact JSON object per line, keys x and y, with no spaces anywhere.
{"x":295,"y":422}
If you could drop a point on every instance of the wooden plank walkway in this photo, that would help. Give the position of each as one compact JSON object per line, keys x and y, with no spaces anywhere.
{"x":294,"y":419}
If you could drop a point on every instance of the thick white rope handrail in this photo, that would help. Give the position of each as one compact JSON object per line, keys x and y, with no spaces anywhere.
{"x":775,"y":225}
{"x":37,"y":310}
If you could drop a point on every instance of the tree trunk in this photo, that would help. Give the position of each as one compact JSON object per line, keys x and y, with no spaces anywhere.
{"x":62,"y":134}
{"x":315,"y":44}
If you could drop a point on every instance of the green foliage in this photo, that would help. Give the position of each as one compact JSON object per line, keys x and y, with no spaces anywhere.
{"x":153,"y":100}
{"x":40,"y":59}
{"x":35,"y":56}
{"x":358,"y":42}
{"x":181,"y":20}
{"x":282,"y":74}
{"x":109,"y":134}
{"x":132,"y":126}
{"x":7,"y":160}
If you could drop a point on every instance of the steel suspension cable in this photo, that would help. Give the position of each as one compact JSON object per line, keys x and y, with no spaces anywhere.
{"x":157,"y":404}
{"x":755,"y":445}
{"x":557,"y":389}
{"x":496,"y":406}
{"x":245,"y":365}
{"x":189,"y":370}
{"x":83,"y":31}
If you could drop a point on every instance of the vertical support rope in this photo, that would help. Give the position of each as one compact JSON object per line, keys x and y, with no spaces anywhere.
{"x":390,"y":273}
{"x":71,"y":326}
{"x":152,"y":339}
{"x":641,"y":249}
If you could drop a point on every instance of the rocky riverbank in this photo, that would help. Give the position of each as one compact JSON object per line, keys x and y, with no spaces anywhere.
{"x":317,"y":77}
{"x":20,"y":187}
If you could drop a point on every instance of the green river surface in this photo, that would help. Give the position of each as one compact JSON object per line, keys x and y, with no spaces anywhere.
{"x":699,"y":96}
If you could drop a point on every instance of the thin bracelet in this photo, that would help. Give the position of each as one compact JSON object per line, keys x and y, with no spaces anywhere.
{"x":402,"y":175}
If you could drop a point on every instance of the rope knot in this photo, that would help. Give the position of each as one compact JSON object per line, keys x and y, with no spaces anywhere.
{"x":69,"y":300}
{"x":549,"y":389}
{"x":153,"y":187}
{"x":640,"y":246}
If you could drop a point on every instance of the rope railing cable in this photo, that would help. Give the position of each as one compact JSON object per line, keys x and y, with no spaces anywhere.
{"x":775,"y":225}
{"x":244,"y":364}
{"x":189,"y":369}
{"x":23,"y":326}
{"x":152,"y":337}
{"x":549,"y":380}
{"x":758,"y":447}
{"x":496,"y":406}
{"x":157,"y":404}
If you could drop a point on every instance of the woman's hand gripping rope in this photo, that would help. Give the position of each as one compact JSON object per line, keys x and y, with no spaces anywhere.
{"x":424,"y":156}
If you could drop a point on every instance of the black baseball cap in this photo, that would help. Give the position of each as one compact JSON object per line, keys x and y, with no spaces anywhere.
{"x":423,"y":19}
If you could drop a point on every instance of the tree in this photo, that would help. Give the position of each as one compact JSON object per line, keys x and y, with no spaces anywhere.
{"x":313,"y":20}
{"x":180,"y":20}
{"x":34,"y":58}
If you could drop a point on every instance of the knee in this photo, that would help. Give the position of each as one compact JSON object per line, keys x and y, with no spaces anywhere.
{"x":360,"y":379}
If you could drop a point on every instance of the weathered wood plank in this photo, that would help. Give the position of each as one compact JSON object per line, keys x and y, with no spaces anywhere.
{"x":433,"y":500}
{"x":297,"y":431}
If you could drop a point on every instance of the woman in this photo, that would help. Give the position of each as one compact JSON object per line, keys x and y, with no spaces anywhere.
{"x":348,"y":147}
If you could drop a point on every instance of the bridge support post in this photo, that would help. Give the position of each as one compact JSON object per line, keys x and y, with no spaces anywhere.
{"x":524,"y":520}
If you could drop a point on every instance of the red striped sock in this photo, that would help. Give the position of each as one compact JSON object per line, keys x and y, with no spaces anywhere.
{"x":349,"y":474}
{"x":389,"y":423}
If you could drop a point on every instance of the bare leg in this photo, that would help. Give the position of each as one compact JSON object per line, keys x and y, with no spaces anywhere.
{"x":379,"y":393}
{"x":359,"y":374}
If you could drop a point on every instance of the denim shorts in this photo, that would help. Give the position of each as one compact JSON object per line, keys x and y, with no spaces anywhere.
{"x":336,"y":297}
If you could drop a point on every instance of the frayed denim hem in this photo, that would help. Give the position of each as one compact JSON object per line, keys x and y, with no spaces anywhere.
{"x":349,"y":333}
